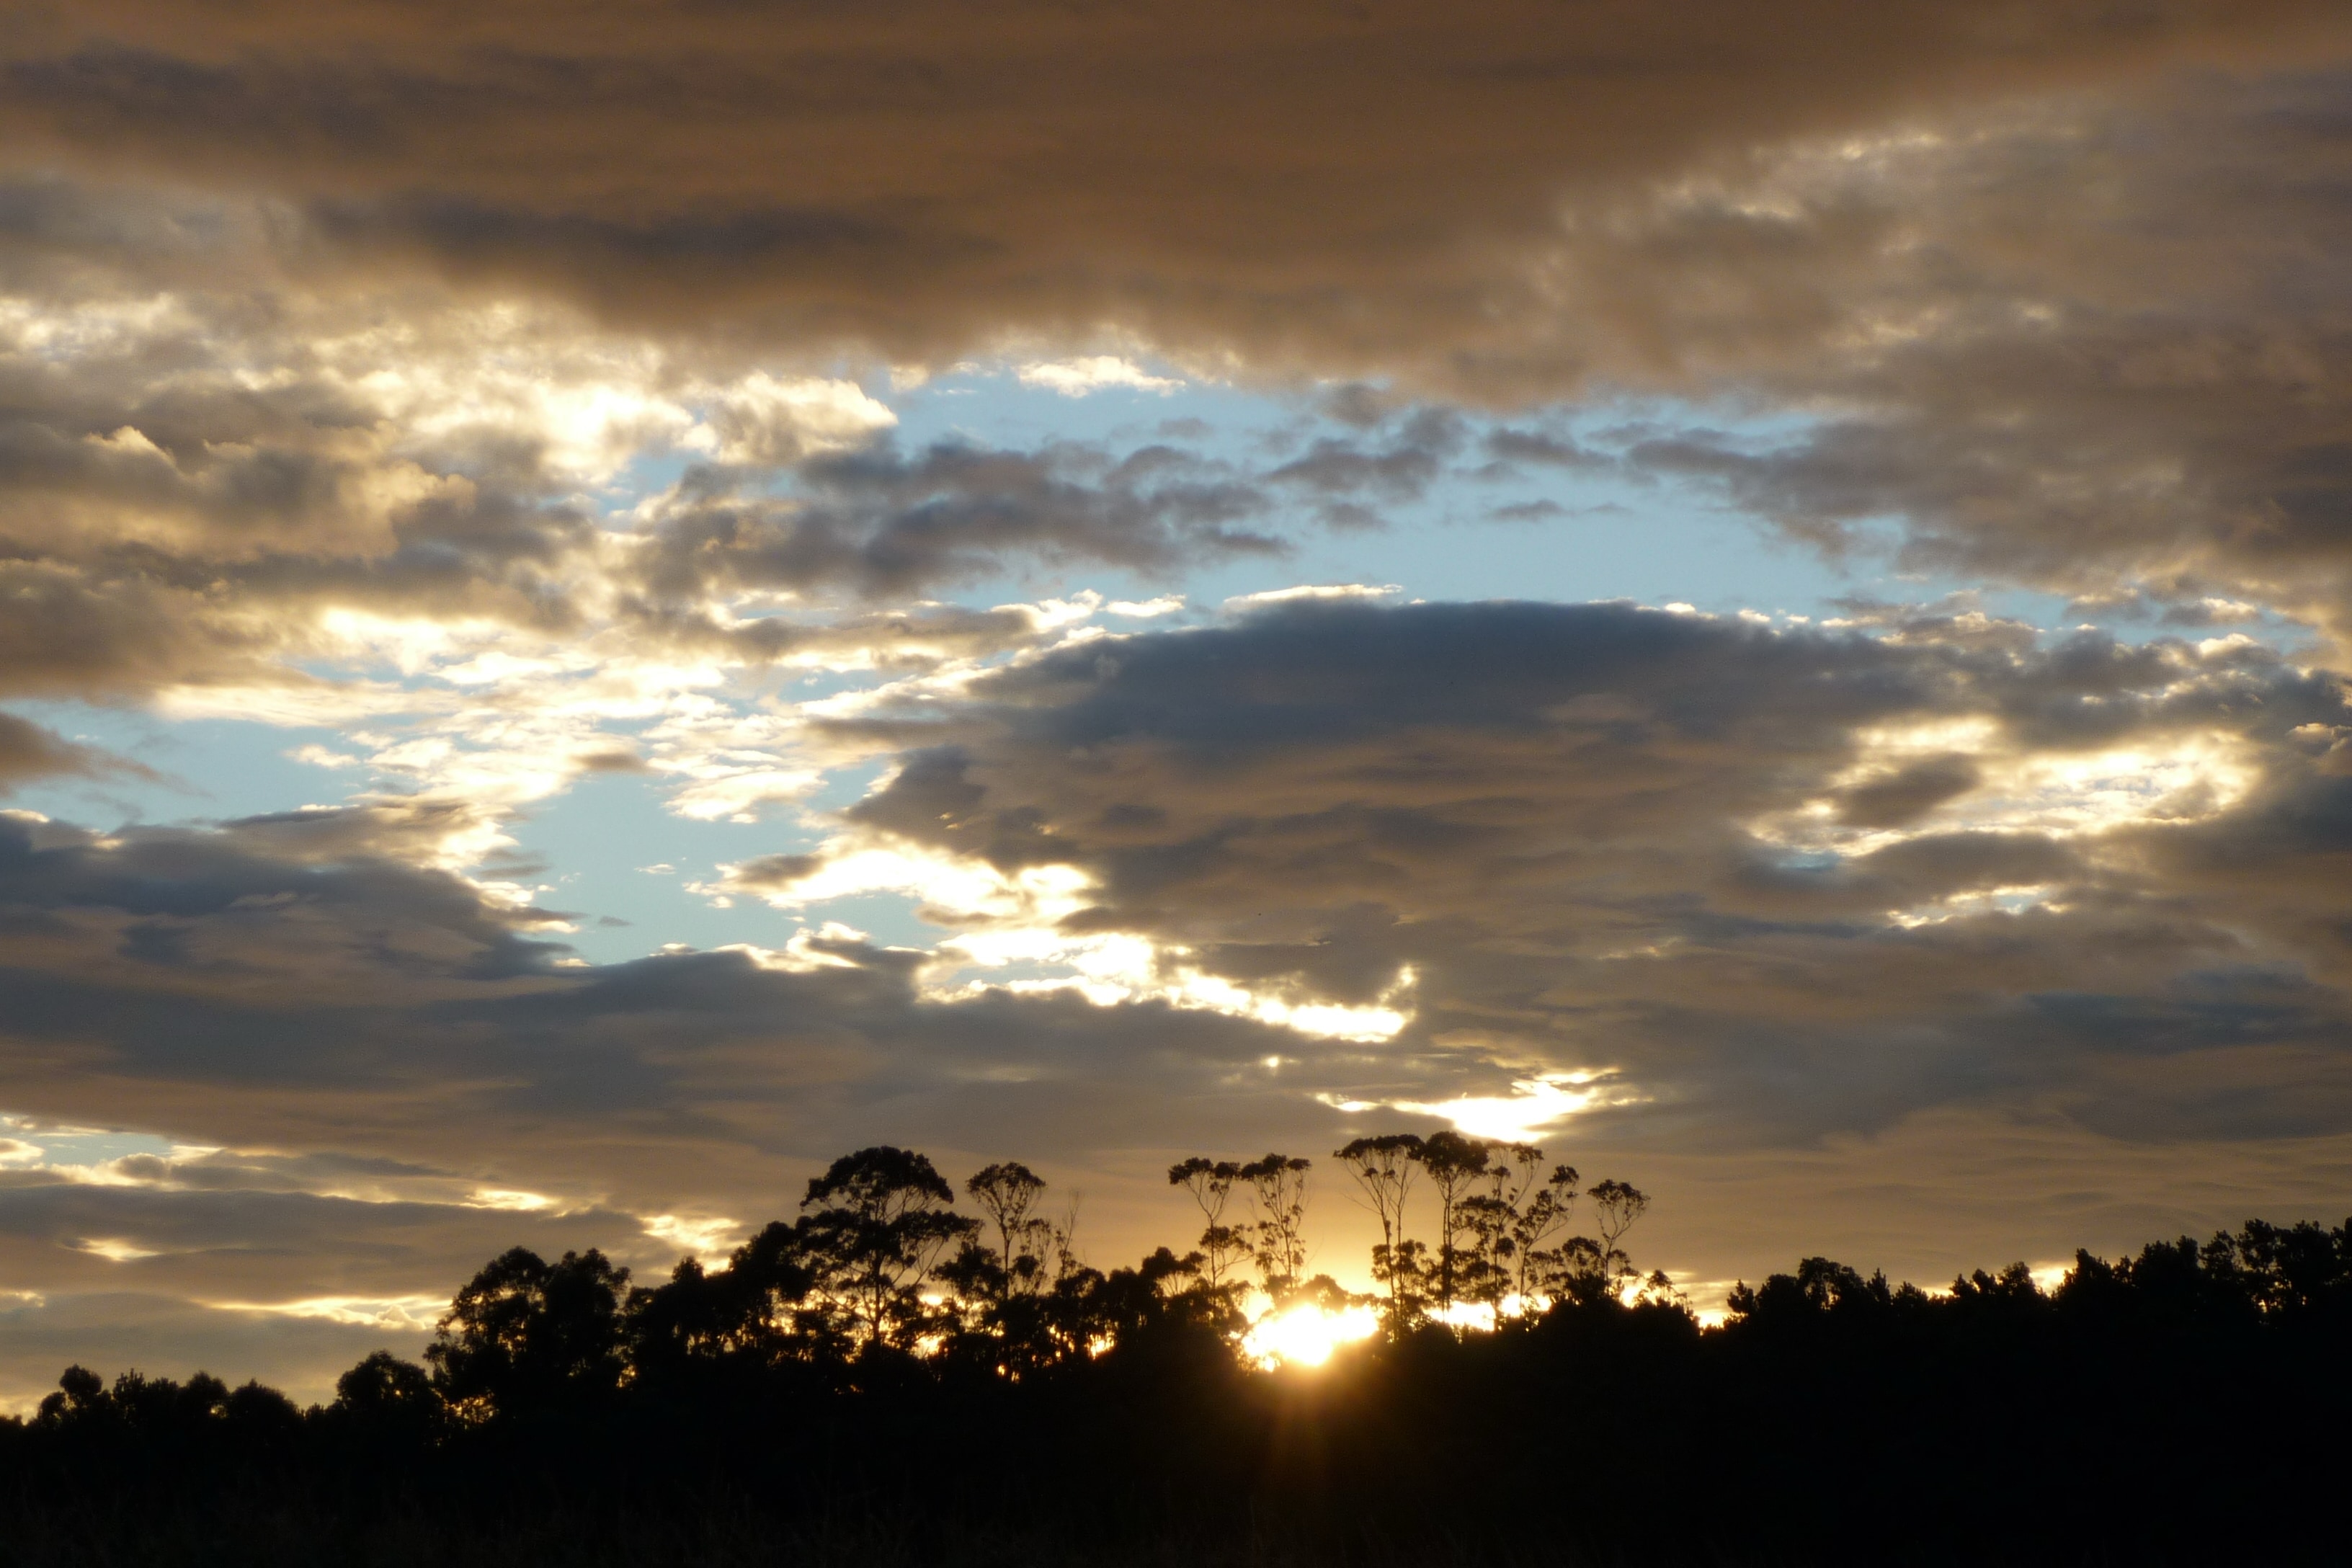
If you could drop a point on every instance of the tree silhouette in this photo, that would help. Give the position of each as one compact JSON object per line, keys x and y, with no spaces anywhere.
{"x":879,"y":1226}
{"x":1383,"y":1168}
{"x":1022,"y":1293}
{"x":740,"y":1311}
{"x":1616,"y":1208}
{"x":1211,"y":1184}
{"x":1489,"y":1212}
{"x":1278,"y":1185}
{"x":1455,"y":1164}
{"x":390,"y":1400}
{"x":80,"y":1399}
{"x":1537,"y":1269}
{"x":809,"y":1379}
{"x":527,"y":1334}
{"x":1162,"y":1296}
{"x":1006,"y":1194}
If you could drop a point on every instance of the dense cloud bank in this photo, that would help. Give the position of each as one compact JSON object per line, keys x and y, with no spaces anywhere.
{"x":1699,"y":852}
{"x":922,"y":178}
{"x":2080,"y":328}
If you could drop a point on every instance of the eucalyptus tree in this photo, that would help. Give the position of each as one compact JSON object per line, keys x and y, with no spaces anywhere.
{"x":878,"y":1225}
{"x":1021,"y":1289}
{"x":1211,"y":1184}
{"x":1540,"y":1214}
{"x":1278,"y":1185}
{"x":1015,"y":1240}
{"x":1489,"y":1213}
{"x":1617,"y":1207}
{"x":1455,"y":1165}
{"x":1383,"y":1168}
{"x":389,"y":1403}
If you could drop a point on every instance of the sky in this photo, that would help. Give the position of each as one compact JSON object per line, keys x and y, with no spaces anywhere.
{"x":602,"y":603}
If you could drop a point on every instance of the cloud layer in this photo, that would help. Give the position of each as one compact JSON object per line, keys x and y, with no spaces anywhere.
{"x":1747,"y":889}
{"x":921,"y":176}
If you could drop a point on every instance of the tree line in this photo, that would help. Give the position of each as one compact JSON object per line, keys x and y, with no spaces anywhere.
{"x":930,"y":1370}
{"x":881,"y":1263}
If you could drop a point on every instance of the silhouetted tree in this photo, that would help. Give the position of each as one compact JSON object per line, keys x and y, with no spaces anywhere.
{"x":1818,"y":1286}
{"x":1455,"y":1164}
{"x":1616,"y":1208}
{"x":146,"y":1408}
{"x":1278,"y":1184}
{"x":1016,"y":1240}
{"x":526,"y":1334}
{"x":2210,"y":1370}
{"x":1536,"y":1267}
{"x":747,"y":1311}
{"x":2304,"y":1270}
{"x":1211,"y":1184}
{"x":390,"y":1400}
{"x":1016,"y":1276}
{"x":80,"y":1398}
{"x":879,"y":1226}
{"x":1486,"y":1271}
{"x":1383,"y":1168}
{"x":1163,"y":1294}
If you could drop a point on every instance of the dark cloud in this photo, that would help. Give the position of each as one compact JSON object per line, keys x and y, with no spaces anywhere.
{"x":187,"y":483}
{"x":1349,"y":181}
{"x":313,"y":895}
{"x":1508,"y":445}
{"x":1908,"y":793}
{"x":1607,"y":836}
{"x":879,"y":521}
{"x":2081,"y":334}
{"x":29,"y":751}
{"x":2093,"y":345}
{"x":1400,"y":469}
{"x":227,"y":1243}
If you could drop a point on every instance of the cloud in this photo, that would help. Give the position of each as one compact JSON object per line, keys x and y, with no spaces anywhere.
{"x":1911,"y":792}
{"x":879,"y":521}
{"x":1695,"y":850}
{"x":1369,"y":184}
{"x":2091,"y":345}
{"x":207,"y":487}
{"x":1402,"y":471}
{"x":765,"y":422}
{"x":2047,"y":294}
{"x":1093,"y":372}
{"x":29,"y":751}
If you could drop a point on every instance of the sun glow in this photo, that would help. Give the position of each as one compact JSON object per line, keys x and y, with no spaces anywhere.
{"x":1307,"y":1336}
